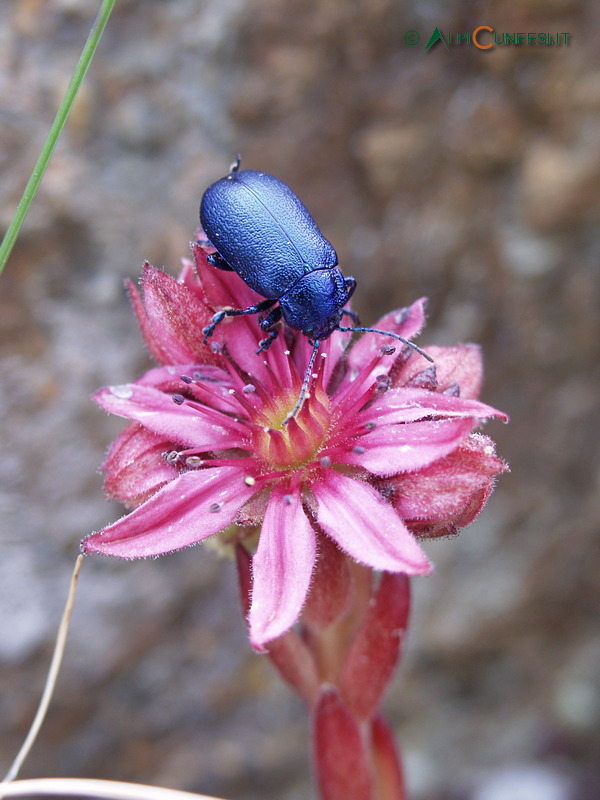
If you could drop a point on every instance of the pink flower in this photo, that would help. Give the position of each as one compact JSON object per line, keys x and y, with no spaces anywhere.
{"x":382,"y":449}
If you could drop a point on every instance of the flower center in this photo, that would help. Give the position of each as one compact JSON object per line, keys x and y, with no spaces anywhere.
{"x":298,"y":442}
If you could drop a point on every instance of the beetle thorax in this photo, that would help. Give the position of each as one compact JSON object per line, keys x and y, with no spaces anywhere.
{"x":314,"y":303}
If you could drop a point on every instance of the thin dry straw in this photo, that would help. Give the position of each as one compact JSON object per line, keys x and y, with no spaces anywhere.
{"x":59,"y":649}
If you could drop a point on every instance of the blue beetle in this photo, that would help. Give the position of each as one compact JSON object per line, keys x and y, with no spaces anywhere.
{"x":262,"y":230}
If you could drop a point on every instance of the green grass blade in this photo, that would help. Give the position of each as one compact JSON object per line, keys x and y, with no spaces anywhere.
{"x":55,"y":131}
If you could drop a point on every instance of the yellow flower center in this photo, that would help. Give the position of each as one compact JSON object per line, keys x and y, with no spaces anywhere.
{"x":297,"y":442}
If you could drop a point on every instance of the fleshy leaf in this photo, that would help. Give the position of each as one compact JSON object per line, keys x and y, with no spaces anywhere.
{"x":341,"y":758}
{"x":375,"y":648}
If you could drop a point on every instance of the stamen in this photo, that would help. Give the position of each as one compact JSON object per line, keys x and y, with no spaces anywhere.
{"x":255,"y":415}
{"x":206,"y":394}
{"x":222,"y":419}
{"x":243,"y":378}
{"x":359,"y":391}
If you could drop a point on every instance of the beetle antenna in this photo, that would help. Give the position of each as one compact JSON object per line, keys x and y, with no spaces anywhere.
{"x":394,"y":336}
{"x":234,"y":166}
{"x":305,"y":382}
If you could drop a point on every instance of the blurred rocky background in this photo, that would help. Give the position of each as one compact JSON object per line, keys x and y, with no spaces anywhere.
{"x":469,"y":176}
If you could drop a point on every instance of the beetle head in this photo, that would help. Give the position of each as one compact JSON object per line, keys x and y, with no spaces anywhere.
{"x":314,"y":304}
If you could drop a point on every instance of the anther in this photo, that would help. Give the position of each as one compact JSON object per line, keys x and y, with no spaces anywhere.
{"x":249,"y":388}
{"x":325,"y":461}
{"x":171,"y":457}
{"x":387,"y":349}
{"x":178,"y":399}
{"x":215,"y":507}
{"x":193,"y":461}
{"x":359,"y":450}
{"x":249,"y":480}
{"x":453,"y":391}
{"x":186,"y":379}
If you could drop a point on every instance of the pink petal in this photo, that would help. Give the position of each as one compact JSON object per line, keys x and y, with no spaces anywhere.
{"x":450,"y":490}
{"x":282,"y":567}
{"x":156,"y":349}
{"x":211,"y":385}
{"x":135,"y":467}
{"x":176,"y":318}
{"x":410,"y":404}
{"x":196,"y":427}
{"x":161,"y":377}
{"x":365,"y":526}
{"x":219,"y":287}
{"x":185,"y":511}
{"x":390,"y":449}
{"x":461,"y":364}
{"x":289,"y":653}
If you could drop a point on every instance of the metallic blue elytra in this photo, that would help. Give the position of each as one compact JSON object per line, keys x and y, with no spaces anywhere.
{"x":261,"y":230}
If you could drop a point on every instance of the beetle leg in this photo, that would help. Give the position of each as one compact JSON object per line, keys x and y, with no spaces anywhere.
{"x":266,"y":343}
{"x":353,"y":316}
{"x":268,"y":325}
{"x":235,"y":312}
{"x":350,"y":284}
{"x":215,"y":260}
